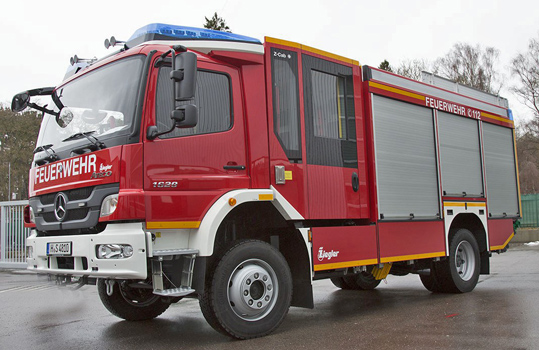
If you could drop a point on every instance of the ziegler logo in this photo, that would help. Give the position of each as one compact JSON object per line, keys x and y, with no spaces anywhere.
{"x":322,"y":254}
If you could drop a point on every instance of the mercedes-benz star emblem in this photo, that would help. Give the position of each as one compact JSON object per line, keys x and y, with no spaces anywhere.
{"x":60,"y":206}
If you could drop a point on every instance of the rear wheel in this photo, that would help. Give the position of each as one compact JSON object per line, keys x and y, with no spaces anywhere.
{"x":129,"y":303}
{"x":459,"y":273}
{"x":249,"y":292}
{"x":360,"y":281}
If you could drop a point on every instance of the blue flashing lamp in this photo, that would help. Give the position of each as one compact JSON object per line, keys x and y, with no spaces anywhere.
{"x":510,"y":114}
{"x":160,"y":31}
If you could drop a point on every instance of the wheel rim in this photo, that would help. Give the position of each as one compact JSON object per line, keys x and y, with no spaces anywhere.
{"x":252,"y":290}
{"x":465,"y":260}
{"x":137,"y":296}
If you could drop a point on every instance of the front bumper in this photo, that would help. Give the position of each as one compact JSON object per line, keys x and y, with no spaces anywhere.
{"x":83,"y":260}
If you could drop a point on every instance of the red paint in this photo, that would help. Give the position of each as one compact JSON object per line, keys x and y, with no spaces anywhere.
{"x":398,"y":239}
{"x":348,"y":244}
{"x":499,"y":231}
{"x":76,"y":172}
{"x":194,"y":164}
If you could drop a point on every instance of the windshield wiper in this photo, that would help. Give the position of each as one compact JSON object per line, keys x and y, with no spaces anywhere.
{"x":88,"y":135}
{"x":51,"y":156}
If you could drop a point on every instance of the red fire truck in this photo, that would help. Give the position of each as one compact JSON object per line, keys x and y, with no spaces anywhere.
{"x":195,"y":163}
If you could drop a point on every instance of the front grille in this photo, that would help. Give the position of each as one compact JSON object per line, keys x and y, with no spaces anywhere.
{"x":72,"y":195}
{"x":82,"y":208}
{"x":74,"y":214}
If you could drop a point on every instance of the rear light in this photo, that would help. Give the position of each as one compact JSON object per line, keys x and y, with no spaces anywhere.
{"x":29,"y":217}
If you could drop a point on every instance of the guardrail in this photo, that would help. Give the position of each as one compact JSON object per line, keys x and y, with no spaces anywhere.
{"x":13,"y":235}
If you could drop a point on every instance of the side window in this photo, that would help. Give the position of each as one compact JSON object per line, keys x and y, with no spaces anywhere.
{"x":284,"y":71}
{"x":329,"y":106}
{"x":212,"y":97}
{"x":330,"y":130}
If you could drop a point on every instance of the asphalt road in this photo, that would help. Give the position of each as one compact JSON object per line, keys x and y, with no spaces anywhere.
{"x":501,"y":313}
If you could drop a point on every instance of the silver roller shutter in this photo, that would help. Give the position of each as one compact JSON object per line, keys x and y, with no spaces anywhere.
{"x":502,"y":192}
{"x":460,"y":156}
{"x":405,"y":160}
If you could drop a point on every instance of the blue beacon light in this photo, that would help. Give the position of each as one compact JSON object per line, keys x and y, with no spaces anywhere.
{"x":188,"y":33}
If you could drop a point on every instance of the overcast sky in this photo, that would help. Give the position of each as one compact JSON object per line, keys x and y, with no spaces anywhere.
{"x":38,"y":37}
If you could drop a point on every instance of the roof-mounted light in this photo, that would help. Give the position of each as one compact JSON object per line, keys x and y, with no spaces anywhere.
{"x":159,"y":31}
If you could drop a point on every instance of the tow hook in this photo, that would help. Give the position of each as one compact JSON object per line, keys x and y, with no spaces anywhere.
{"x":110,"y":285}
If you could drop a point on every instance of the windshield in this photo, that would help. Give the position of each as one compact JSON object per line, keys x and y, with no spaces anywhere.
{"x":101,"y":103}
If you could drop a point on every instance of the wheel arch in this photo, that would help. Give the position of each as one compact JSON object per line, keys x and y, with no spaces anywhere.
{"x":477,"y":227}
{"x":263,"y":215}
{"x":473,"y":223}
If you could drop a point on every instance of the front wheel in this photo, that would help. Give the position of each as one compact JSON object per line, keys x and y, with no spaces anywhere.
{"x":131,"y":303}
{"x":249,"y":292}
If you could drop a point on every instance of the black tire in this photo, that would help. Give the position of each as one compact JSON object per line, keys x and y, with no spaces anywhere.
{"x":248,"y":293}
{"x":360,"y":281}
{"x":340,"y":283}
{"x":430,"y":281}
{"x":459,"y":273}
{"x":131,"y":304}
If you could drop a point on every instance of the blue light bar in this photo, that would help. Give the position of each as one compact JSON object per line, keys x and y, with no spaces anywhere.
{"x":160,"y":31}
{"x":510,"y":114}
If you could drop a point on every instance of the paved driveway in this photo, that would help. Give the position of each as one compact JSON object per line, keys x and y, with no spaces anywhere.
{"x":501,"y":313}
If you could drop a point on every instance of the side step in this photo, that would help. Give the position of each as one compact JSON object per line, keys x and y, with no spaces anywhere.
{"x":187,"y":257}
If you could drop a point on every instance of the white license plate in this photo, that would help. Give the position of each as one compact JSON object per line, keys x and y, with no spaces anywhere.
{"x":59,"y":248}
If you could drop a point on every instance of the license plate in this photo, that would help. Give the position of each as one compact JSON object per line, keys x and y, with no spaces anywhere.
{"x":59,"y":248}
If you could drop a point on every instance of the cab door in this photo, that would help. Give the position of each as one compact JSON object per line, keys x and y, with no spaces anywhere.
{"x":316,"y":135}
{"x":335,"y":183}
{"x":187,"y":170}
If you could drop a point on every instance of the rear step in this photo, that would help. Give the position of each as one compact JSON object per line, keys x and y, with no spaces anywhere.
{"x":188,"y":264}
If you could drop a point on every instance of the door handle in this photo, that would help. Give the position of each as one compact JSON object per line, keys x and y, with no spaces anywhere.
{"x":234,"y":167}
{"x":355,"y":182}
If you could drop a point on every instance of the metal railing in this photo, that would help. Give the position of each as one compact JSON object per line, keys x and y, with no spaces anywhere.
{"x":13,"y":235}
{"x":530,"y":210}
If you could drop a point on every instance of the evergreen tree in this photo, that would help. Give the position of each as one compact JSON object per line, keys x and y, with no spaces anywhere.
{"x":216,"y":23}
{"x":18,"y":135}
{"x":385,"y":66}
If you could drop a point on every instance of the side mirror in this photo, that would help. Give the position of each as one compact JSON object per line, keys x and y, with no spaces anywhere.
{"x":185,"y":116}
{"x":183,"y":74}
{"x":20,"y":101}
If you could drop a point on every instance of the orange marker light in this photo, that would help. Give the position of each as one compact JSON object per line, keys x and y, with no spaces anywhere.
{"x":232,"y":202}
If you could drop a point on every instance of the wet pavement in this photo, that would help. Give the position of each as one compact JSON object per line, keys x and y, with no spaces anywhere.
{"x":501,"y":313}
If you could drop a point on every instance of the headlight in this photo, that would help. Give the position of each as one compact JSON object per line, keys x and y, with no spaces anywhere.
{"x":114,"y":251}
{"x":109,"y":205}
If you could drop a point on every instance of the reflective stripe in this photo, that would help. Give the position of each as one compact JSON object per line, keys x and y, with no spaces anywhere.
{"x":345,"y":264}
{"x":172,"y":224}
{"x":412,"y":257}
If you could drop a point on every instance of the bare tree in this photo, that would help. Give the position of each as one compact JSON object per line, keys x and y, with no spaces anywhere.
{"x":412,"y":68}
{"x":472,"y":66}
{"x":525,"y":67}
